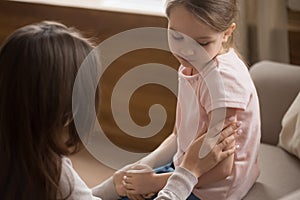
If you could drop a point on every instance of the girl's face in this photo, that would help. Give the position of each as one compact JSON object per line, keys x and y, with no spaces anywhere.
{"x":186,"y":28}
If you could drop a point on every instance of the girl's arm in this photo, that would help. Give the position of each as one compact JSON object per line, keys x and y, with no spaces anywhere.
{"x":181,"y":183}
{"x":145,"y":181}
{"x":224,"y":168}
{"x":159,"y":157}
{"x":163,"y":154}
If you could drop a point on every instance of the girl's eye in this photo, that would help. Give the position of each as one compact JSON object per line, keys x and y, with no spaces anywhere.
{"x":176,"y":35}
{"x":203,"y":43}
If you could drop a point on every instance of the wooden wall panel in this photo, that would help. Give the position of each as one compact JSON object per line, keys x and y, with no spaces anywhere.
{"x":294,"y":36}
{"x":101,"y":25}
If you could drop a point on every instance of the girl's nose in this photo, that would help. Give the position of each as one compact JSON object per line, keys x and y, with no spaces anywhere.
{"x":187,"y":52}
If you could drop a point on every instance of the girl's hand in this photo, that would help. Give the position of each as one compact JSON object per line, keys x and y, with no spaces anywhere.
{"x":223,"y":149}
{"x":140,"y":179}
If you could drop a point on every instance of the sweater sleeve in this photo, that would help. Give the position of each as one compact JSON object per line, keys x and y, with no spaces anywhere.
{"x":71,"y":185}
{"x":179,"y":185}
{"x":106,"y":190}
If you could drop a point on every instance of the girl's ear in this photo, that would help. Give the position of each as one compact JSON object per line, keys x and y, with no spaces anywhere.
{"x":229,"y":32}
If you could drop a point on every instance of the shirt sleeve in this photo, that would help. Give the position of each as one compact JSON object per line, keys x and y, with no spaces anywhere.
{"x":226,"y":87}
{"x":179,"y":185}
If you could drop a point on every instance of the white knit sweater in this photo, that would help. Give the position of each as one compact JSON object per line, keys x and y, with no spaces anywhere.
{"x":178,"y":187}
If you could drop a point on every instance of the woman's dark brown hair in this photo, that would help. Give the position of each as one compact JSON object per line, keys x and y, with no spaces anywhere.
{"x":38,"y":67}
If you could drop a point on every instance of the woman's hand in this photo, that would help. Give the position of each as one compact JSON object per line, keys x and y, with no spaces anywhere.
{"x":140,"y":180}
{"x":223,"y":149}
{"x":118,"y":179}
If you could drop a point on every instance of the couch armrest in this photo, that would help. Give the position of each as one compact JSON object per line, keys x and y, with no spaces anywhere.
{"x":277,"y":85}
{"x":293,"y":196}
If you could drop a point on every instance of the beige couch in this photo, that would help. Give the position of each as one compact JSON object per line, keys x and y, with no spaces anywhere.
{"x":277,"y":86}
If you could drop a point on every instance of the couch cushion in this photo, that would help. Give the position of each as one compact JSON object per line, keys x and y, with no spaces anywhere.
{"x":289,"y":138}
{"x":277,"y":86}
{"x":280,"y":174}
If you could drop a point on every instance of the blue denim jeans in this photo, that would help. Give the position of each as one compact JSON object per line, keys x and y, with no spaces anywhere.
{"x":165,"y":169}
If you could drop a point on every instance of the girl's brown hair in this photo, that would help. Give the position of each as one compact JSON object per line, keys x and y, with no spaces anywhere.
{"x":218,"y":14}
{"x":38,"y":67}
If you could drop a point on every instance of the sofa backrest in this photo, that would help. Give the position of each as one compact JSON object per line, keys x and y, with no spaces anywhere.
{"x":277,"y":85}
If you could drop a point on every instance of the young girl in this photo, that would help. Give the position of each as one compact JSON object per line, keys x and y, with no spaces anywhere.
{"x":211,"y":24}
{"x":38,"y":67}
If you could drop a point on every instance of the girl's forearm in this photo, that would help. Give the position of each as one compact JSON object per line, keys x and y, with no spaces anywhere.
{"x":224,"y":168}
{"x":163,"y":154}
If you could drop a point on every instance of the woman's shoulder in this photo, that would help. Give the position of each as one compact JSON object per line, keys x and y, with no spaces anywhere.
{"x":66,"y":161}
{"x":70,"y":181}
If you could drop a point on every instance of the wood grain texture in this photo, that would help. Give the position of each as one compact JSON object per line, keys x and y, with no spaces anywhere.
{"x":294,"y":36}
{"x":100,"y":25}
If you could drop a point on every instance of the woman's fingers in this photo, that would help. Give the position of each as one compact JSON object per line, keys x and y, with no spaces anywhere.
{"x":128,"y":183}
{"x":140,"y":168}
{"x":224,"y":149}
{"x":227,"y":153}
{"x":134,"y":196}
{"x":132,"y":178}
{"x":227,"y":142}
{"x":233,"y":128}
{"x":128,"y":186}
{"x":131,"y":193}
{"x":148,"y":196}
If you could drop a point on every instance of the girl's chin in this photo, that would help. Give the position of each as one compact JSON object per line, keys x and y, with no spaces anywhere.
{"x":185,"y":63}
